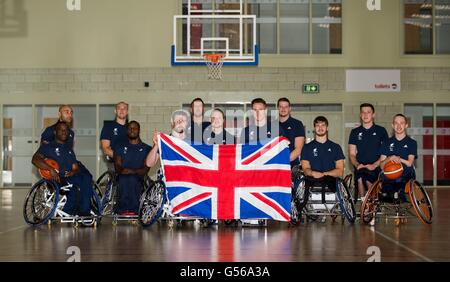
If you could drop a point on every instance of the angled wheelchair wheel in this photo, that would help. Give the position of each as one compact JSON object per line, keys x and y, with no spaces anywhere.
{"x":420,"y":201}
{"x":371,"y":203}
{"x":96,"y":201}
{"x":40,"y":202}
{"x":348,"y":181}
{"x":345,"y":201}
{"x":103,"y":181}
{"x":301,"y":195}
{"x":295,"y":214}
{"x":151,"y":203}
{"x":109,"y":199}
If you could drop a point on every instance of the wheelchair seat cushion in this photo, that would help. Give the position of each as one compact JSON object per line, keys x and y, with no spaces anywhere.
{"x":317,"y":185}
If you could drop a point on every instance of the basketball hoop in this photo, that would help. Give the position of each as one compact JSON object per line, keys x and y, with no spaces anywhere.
{"x":214,"y":62}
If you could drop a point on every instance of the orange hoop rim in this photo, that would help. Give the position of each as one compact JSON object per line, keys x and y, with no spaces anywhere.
{"x":213,"y":57}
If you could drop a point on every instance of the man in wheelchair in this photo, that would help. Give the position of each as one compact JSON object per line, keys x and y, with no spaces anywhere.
{"x":129,"y":162}
{"x":69,"y":170}
{"x":402,"y":149}
{"x":322,"y":160}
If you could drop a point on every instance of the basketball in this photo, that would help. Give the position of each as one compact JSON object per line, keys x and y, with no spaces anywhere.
{"x":46,"y":173}
{"x":393,"y":170}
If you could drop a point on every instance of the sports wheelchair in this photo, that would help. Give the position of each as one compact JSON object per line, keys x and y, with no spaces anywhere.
{"x":108,"y":183}
{"x":45,"y":202}
{"x":393,"y":203}
{"x":154,"y":204}
{"x":317,"y":198}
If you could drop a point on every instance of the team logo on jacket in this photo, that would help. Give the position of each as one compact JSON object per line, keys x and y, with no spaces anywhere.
{"x":329,"y":149}
{"x":315,"y":152}
{"x":125,"y":149}
{"x":360,"y":135}
{"x":115,"y":131}
{"x":374,"y":134}
{"x":57,"y":152}
{"x":391,"y":147}
{"x":406,"y":146}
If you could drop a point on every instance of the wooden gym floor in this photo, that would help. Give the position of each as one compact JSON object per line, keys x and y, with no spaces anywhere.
{"x":327,"y":241}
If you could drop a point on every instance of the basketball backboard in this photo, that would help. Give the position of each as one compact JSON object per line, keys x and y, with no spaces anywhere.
{"x":214,"y":27}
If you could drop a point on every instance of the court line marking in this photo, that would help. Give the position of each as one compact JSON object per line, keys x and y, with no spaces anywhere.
{"x":13,"y":229}
{"x":401,"y":245}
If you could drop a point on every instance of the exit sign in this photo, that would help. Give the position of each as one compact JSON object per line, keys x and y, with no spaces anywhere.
{"x":311,"y":88}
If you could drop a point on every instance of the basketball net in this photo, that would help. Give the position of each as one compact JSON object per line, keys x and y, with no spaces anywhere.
{"x":214,"y":62}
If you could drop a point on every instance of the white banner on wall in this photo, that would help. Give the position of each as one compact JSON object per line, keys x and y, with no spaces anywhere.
{"x":372,"y":80}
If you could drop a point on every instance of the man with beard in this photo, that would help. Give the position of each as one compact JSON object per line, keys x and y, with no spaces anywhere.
{"x":293,"y":130}
{"x":114,"y":133}
{"x":179,"y":123}
{"x":129,"y":162}
{"x":322,"y":160}
{"x":69,"y":170}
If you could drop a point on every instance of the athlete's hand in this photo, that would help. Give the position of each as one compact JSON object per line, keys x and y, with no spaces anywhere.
{"x":371,"y":167}
{"x":155,"y":137}
{"x":69,"y":173}
{"x":360,"y":166}
{"x":55,"y":176}
{"x":317,"y":174}
{"x":395,"y":159}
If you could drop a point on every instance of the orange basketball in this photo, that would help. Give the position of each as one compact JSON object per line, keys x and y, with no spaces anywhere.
{"x":392,"y":170}
{"x":46,"y":173}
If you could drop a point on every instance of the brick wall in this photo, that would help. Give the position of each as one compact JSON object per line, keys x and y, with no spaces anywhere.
{"x":152,"y":107}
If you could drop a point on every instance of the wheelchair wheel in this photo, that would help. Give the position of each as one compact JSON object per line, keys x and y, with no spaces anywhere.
{"x":103,"y":181}
{"x":295,"y":214}
{"x":40,"y":203}
{"x":151,"y":203}
{"x":420,"y":201}
{"x":300,"y":197}
{"x":109,"y":200}
{"x":96,"y":201}
{"x":353,"y":189}
{"x":370,"y":205}
{"x":345,"y":201}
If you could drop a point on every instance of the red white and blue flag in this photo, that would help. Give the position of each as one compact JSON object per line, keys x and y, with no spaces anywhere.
{"x":227,"y":181}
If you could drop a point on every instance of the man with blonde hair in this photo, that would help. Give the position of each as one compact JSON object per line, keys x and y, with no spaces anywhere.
{"x":114,"y":133}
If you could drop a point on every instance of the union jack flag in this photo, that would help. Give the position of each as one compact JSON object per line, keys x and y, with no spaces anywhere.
{"x":227,"y":181}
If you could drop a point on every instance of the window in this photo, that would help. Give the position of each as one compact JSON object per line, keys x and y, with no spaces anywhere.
{"x":266,"y":20}
{"x":326,"y":27}
{"x":427,"y":26}
{"x":294,"y":26}
{"x":442,"y":9}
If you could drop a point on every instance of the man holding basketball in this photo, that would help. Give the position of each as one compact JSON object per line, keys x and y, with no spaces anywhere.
{"x":69,"y":170}
{"x":400,"y":149}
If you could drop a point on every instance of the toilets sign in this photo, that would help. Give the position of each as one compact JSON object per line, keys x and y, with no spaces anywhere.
{"x":369,"y":80}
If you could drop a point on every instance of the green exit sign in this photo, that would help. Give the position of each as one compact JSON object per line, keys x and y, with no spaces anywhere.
{"x":311,"y":88}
